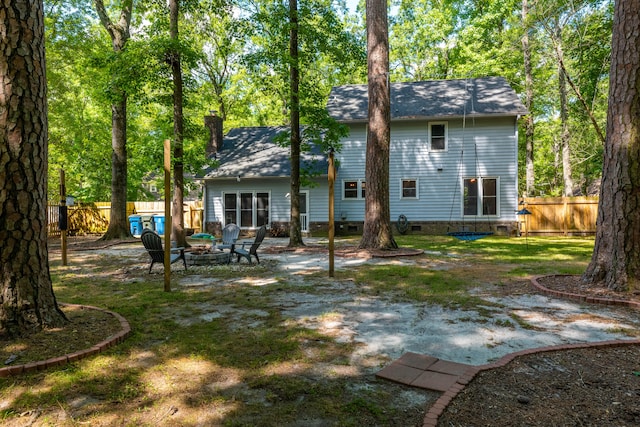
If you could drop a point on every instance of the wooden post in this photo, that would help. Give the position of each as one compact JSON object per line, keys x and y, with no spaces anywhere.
{"x":332,"y":179}
{"x":167,"y":215}
{"x":63,"y":230}
{"x":565,"y":216}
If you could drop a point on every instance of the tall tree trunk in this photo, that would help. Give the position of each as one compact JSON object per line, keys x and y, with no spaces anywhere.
{"x":177,"y":211}
{"x":27,"y":301}
{"x":118,"y":223}
{"x":616,"y":256}
{"x":565,"y":135}
{"x":377,"y":223}
{"x":295,"y":233}
{"x":119,"y":33}
{"x":557,"y":164}
{"x":528,"y":102}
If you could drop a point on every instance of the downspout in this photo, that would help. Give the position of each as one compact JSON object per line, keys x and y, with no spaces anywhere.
{"x":517,"y":134}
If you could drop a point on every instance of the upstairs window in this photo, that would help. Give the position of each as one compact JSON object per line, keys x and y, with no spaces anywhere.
{"x":438,"y":134}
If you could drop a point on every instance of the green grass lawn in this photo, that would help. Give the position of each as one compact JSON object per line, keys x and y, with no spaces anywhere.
{"x":225,"y":354}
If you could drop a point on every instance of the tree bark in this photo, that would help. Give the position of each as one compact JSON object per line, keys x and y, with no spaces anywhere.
{"x":118,"y":222}
{"x":177,"y":214}
{"x":119,"y":33}
{"x":528,"y":120}
{"x":565,"y":136}
{"x":376,"y":233}
{"x":295,"y":233}
{"x":27,"y":301}
{"x":615,"y":262}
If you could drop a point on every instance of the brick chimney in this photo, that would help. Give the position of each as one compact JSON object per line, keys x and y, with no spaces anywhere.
{"x":214,"y":123}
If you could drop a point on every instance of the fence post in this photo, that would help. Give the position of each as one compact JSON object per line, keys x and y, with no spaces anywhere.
{"x":167,"y":215}
{"x":565,"y":216}
{"x":63,"y":218}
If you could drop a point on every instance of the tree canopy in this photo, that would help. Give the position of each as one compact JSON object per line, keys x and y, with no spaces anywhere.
{"x":235,"y":60}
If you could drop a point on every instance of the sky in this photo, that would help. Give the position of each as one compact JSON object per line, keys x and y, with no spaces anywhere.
{"x":352,"y":5}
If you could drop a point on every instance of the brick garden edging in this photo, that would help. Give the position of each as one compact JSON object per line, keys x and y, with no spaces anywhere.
{"x":72,"y":357}
{"x":431,"y":418}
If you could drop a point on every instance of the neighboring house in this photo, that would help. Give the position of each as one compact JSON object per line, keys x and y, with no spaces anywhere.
{"x":153,"y":185}
{"x":453,"y":163}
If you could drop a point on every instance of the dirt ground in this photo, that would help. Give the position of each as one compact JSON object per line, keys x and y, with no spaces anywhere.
{"x":583,"y":387}
{"x":588,"y":387}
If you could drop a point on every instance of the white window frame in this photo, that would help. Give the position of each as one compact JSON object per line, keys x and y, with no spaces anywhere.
{"x":361,"y":186}
{"x":254,"y":208}
{"x":430,"y":136}
{"x":480,"y":200}
{"x":402,"y":196}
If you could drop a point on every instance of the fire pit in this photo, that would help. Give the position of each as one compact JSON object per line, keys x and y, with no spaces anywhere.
{"x":206,"y":256}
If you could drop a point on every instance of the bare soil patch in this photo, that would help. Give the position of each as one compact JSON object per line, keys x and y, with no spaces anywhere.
{"x":581,"y":387}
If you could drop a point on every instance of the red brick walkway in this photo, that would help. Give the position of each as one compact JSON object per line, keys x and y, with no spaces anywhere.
{"x":424,"y":371}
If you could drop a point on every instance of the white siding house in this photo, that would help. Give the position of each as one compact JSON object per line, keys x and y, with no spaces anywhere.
{"x":453,"y":163}
{"x":248,"y":182}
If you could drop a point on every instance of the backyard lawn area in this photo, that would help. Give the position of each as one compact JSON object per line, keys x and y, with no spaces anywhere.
{"x":278,"y":343}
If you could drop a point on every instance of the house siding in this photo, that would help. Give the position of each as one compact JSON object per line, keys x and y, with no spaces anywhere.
{"x":439,"y":191}
{"x":482,"y":144}
{"x":278,"y":189}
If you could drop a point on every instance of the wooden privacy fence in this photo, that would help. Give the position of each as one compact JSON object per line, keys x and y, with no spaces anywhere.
{"x":559,"y":215}
{"x":549,"y":215}
{"x":93,"y":218}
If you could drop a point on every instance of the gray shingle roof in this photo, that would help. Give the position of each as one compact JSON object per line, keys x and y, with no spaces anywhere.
{"x":252,"y":152}
{"x":431,"y":99}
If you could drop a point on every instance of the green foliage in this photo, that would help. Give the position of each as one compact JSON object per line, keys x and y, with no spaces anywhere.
{"x":235,"y":61}
{"x":79,"y":121}
{"x":583,"y":31}
{"x":329,"y":55}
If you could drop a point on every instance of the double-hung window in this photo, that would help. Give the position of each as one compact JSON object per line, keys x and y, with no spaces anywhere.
{"x":247,"y":209}
{"x":353,"y":189}
{"x":481,"y":196}
{"x":438,"y":135}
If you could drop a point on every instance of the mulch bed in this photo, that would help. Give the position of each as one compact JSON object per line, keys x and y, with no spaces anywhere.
{"x":592,"y":386}
{"x":573,"y":284}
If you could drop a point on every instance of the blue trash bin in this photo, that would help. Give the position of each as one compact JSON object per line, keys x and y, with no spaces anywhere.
{"x":135,"y":224}
{"x":158,"y":222}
